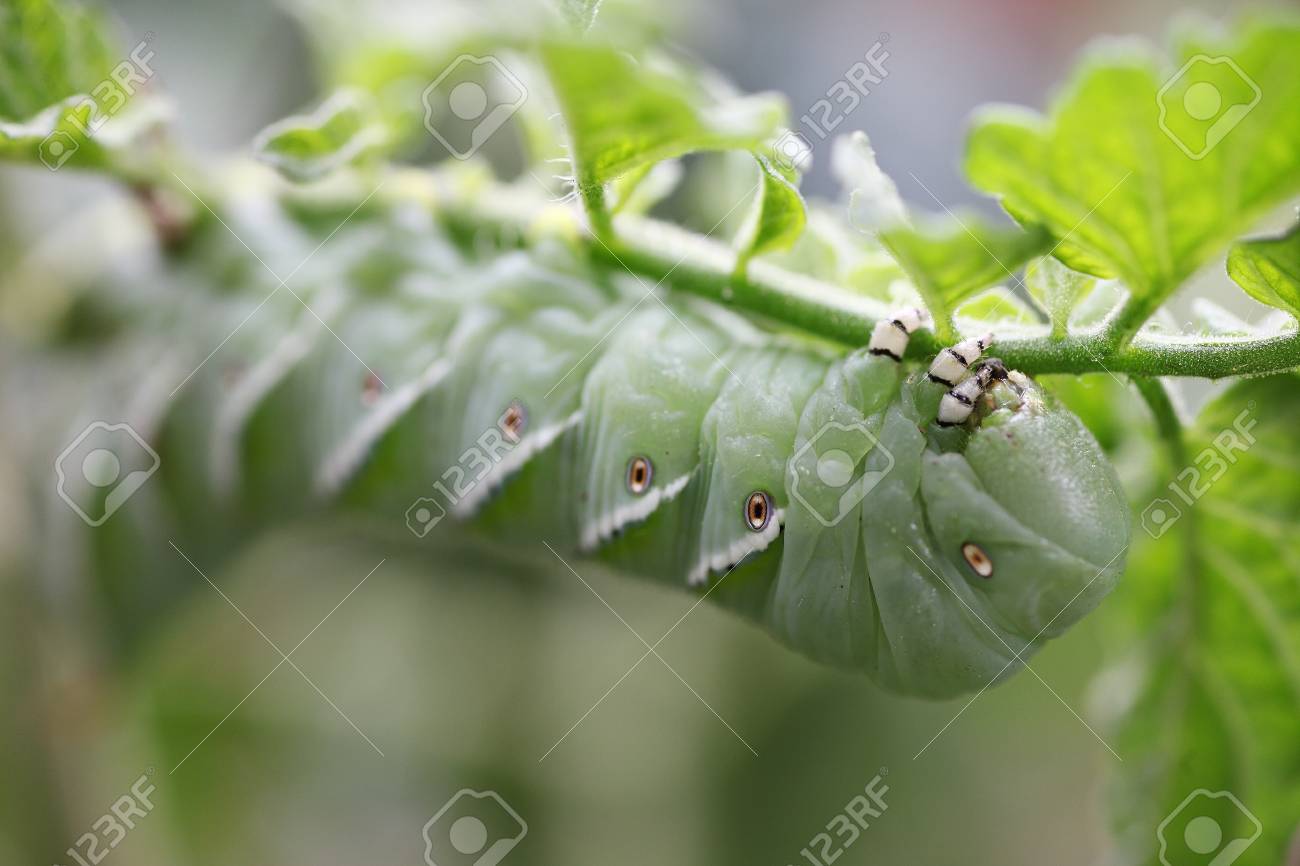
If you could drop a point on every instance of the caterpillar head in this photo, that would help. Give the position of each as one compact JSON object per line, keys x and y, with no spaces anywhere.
{"x":1031,"y":514}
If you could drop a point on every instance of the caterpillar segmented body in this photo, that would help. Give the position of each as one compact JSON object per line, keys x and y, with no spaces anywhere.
{"x":818,"y":493}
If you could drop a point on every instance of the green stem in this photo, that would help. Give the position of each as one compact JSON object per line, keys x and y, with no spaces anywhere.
{"x":1168,"y":425}
{"x":1130,"y":318}
{"x":592,"y":193}
{"x":688,"y":262}
{"x":1170,"y":430}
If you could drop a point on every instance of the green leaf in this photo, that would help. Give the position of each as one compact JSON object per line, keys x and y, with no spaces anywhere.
{"x":951,"y":258}
{"x":581,"y":13}
{"x":1269,"y":270}
{"x":65,"y":91}
{"x":644,"y":188}
{"x":1058,"y":289}
{"x":48,"y":52}
{"x":622,"y":113}
{"x":777,"y":216}
{"x":1211,"y":696}
{"x":1128,"y":181}
{"x":997,"y":306}
{"x":948,"y":258}
{"x":344,"y":130}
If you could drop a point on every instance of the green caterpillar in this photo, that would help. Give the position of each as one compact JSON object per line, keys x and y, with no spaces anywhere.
{"x":930,"y":530}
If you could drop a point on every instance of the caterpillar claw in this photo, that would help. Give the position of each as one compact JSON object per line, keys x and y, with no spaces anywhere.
{"x":890,"y":336}
{"x":953,"y":364}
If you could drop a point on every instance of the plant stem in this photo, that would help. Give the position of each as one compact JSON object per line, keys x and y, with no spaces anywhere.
{"x":1170,"y":430}
{"x":667,"y":255}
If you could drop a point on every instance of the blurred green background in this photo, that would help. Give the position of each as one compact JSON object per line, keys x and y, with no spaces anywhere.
{"x":464,"y":672}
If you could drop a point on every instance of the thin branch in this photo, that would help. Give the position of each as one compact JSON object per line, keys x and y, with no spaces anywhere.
{"x":705,"y":267}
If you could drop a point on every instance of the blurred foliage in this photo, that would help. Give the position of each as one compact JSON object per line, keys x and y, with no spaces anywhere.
{"x":119,"y":658}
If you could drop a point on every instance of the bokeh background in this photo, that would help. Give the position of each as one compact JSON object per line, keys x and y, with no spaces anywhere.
{"x":463,"y":674}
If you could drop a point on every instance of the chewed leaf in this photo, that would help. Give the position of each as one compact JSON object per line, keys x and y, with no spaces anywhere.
{"x":1164,"y":183}
{"x":1058,"y":289}
{"x":952,"y":258}
{"x":777,"y":216}
{"x":344,"y":130}
{"x":1269,"y":270}
{"x":622,"y":113}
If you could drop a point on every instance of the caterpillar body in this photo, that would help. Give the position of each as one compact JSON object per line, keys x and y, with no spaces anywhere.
{"x":813,"y":491}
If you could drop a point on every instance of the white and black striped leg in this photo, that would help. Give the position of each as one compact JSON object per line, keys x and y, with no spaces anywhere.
{"x":956,"y":406}
{"x":891,"y":335}
{"x":952,"y":364}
